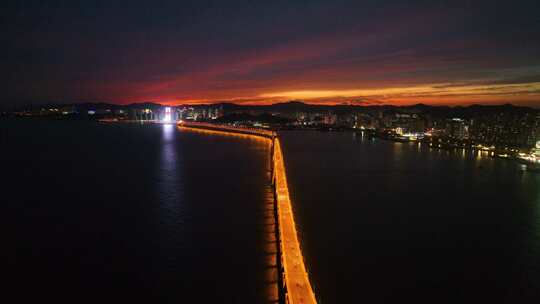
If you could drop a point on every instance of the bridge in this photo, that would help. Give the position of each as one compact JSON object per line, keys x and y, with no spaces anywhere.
{"x":295,"y":286}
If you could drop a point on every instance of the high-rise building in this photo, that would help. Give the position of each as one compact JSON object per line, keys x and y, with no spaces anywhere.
{"x":456,"y":128}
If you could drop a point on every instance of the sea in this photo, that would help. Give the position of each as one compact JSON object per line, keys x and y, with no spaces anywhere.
{"x":130,"y":212}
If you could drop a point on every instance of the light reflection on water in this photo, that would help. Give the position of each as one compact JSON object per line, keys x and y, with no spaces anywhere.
{"x":169,"y":192}
{"x":418,"y":222}
{"x":536,"y":226}
{"x":168,"y":132}
{"x":126,"y":214}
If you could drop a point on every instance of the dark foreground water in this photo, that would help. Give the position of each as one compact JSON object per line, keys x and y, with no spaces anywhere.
{"x":385,"y":222}
{"x":127,"y":213}
{"x":144,"y":213}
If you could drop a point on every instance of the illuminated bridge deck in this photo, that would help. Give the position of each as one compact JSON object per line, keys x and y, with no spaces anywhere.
{"x":297,"y":288}
{"x":228,"y":129}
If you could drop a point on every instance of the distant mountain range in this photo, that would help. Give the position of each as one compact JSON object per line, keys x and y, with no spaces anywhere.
{"x":298,"y":106}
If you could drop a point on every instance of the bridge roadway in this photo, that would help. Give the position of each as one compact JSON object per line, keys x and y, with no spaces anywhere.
{"x":297,"y":288}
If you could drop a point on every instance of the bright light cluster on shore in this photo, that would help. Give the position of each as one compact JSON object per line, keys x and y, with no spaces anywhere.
{"x":167,"y":118}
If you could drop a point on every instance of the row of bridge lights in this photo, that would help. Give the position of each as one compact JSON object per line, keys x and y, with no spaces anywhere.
{"x":296,"y":277}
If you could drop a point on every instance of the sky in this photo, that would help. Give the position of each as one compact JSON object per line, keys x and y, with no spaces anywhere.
{"x":259,"y":52}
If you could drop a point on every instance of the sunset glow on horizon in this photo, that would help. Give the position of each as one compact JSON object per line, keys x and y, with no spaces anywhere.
{"x":453,"y":53}
{"x":435,"y":94}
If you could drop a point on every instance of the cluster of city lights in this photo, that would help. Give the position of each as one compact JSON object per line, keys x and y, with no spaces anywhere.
{"x":534,"y":156}
{"x":167,"y":118}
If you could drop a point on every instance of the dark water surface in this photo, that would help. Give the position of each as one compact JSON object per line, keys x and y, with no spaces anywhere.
{"x":126,"y":213}
{"x":385,"y":222}
{"x":146,"y":213}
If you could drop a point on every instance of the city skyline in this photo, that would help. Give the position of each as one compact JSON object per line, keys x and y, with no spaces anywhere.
{"x":279,"y":152}
{"x":369,"y":53}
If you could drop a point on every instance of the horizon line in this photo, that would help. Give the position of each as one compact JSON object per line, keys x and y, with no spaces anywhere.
{"x":248,"y":104}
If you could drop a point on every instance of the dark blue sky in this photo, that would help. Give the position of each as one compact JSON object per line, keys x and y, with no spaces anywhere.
{"x":439,"y":52}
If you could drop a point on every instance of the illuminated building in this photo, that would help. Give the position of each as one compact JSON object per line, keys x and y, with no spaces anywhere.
{"x":456,"y":128}
{"x":330,"y":119}
{"x":167,"y":116}
{"x":536,"y":149}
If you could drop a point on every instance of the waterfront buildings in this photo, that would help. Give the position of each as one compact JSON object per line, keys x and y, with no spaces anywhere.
{"x":503,"y":126}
